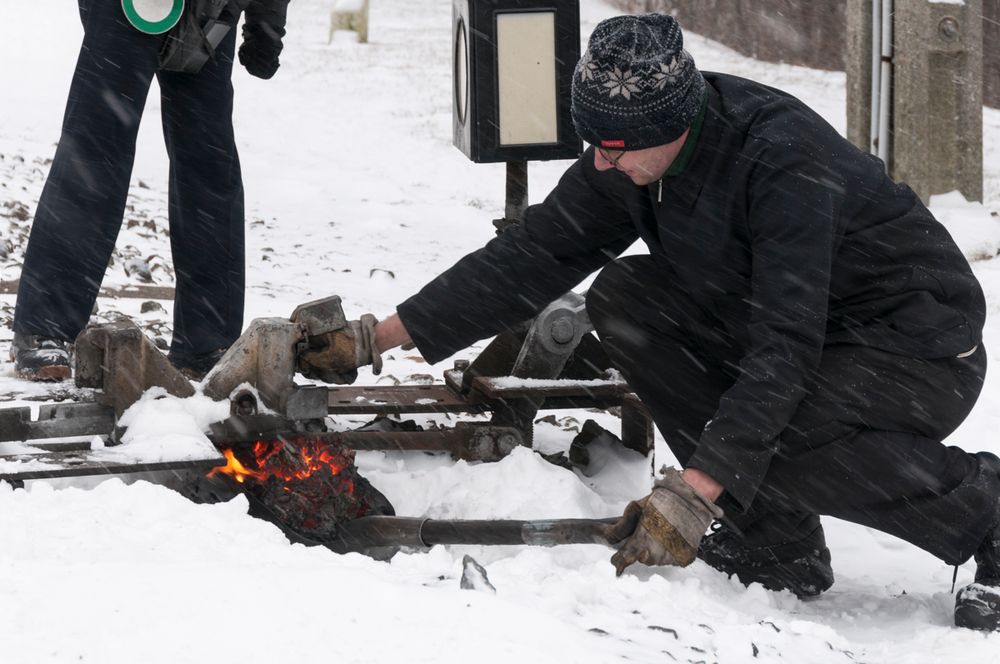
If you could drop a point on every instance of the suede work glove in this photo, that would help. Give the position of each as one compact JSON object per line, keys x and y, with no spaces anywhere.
{"x":334,"y":357}
{"x":665,"y":527}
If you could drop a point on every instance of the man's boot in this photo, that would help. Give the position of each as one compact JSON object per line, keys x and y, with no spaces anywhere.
{"x":40,"y":358}
{"x":977,"y":605}
{"x":196,"y":367}
{"x":800,"y":565}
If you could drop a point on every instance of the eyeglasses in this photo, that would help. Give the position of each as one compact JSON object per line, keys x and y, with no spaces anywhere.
{"x":613,"y":160}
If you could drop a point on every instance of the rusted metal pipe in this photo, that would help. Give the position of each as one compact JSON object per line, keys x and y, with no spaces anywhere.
{"x":471,"y":441}
{"x":391,"y":531}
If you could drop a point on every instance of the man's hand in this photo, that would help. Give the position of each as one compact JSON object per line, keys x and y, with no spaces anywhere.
{"x":260,"y":48}
{"x":334,"y":357}
{"x":665,"y":527}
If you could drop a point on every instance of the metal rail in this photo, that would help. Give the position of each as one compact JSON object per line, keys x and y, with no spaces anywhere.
{"x":56,"y":421}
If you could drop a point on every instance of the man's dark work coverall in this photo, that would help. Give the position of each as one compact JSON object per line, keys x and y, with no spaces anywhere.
{"x":803,"y":329}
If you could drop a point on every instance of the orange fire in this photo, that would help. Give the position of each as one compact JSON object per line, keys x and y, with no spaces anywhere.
{"x":235,"y":469}
{"x":287,"y":461}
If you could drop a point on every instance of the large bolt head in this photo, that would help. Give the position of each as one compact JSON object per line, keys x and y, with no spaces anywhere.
{"x":948,"y":29}
{"x":562,"y":330}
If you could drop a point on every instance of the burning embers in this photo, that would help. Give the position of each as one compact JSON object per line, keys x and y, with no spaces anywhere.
{"x":284,"y":460}
{"x":305,"y":485}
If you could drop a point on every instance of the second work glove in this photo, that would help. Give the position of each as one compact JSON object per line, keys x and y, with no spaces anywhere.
{"x":263,"y":30}
{"x":665,"y":527}
{"x":260,"y":49}
{"x":334,"y":357}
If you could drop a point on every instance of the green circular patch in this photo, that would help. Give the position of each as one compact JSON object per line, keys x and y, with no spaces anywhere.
{"x":153,"y":16}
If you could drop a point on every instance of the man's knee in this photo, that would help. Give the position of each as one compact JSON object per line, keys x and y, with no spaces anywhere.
{"x":608,"y":299}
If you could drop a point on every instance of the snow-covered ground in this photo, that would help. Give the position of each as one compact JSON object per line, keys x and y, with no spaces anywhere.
{"x":353,"y":188}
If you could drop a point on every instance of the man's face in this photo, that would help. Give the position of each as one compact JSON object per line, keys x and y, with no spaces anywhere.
{"x":642,"y":166}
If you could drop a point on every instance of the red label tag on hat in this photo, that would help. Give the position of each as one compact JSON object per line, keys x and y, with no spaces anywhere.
{"x":613,"y":144}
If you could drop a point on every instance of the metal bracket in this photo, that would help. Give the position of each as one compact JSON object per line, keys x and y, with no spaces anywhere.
{"x":120,"y":360}
{"x":321,"y":316}
{"x":264,"y":357}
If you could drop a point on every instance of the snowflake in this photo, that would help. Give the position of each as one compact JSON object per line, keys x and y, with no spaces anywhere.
{"x":669,"y":73}
{"x":587,"y":71}
{"x":623,"y":84}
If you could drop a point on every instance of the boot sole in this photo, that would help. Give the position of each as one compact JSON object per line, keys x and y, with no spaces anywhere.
{"x":978,"y":607}
{"x":52,"y":374}
{"x":804,"y":577}
{"x":970,"y":617}
{"x":801,"y":580}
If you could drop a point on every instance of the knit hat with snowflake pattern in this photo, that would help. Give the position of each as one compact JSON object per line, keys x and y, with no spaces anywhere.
{"x":635,"y":87}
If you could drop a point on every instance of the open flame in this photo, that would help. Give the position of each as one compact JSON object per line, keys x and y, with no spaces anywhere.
{"x":305,"y":484}
{"x":287,"y":461}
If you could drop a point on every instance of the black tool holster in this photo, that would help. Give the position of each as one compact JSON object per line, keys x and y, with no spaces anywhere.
{"x":192,"y":42}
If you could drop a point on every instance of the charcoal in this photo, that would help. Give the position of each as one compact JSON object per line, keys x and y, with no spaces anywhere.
{"x":307,"y":488}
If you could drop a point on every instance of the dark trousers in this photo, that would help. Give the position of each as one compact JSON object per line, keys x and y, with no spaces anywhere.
{"x":864,"y":444}
{"x":83,"y":201}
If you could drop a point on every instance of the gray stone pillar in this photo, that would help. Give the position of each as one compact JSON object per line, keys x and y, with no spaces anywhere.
{"x":937,"y":93}
{"x":938,"y":97}
{"x":858,"y":63}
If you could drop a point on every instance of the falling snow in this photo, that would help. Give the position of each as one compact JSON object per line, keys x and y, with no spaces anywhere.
{"x":353,"y":188}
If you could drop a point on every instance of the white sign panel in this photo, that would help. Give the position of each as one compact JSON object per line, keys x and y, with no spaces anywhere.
{"x":526,"y":67}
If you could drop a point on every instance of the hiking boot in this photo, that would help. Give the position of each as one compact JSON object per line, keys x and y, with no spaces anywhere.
{"x":801,"y":566}
{"x":977,"y":606}
{"x":40,"y":358}
{"x":196,"y":367}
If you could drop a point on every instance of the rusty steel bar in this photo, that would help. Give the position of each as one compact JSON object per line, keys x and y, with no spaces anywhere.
{"x":471,"y":441}
{"x":507,"y":388}
{"x":388,"y":531}
{"x":398,"y":400}
{"x":567,"y":394}
{"x":56,"y":421}
{"x":486,"y":393}
{"x":82,"y":464}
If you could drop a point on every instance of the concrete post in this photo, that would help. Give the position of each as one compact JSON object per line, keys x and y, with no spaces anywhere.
{"x":938,"y":97}
{"x":858,"y":64}
{"x":937,"y":93}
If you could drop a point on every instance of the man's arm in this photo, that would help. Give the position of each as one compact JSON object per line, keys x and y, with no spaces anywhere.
{"x":581,"y":225}
{"x":703,"y":483}
{"x":390,"y":332}
{"x":794,"y":216}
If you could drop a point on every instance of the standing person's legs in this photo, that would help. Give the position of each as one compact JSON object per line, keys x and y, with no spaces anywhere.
{"x":206,"y":206}
{"x":81,"y":206}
